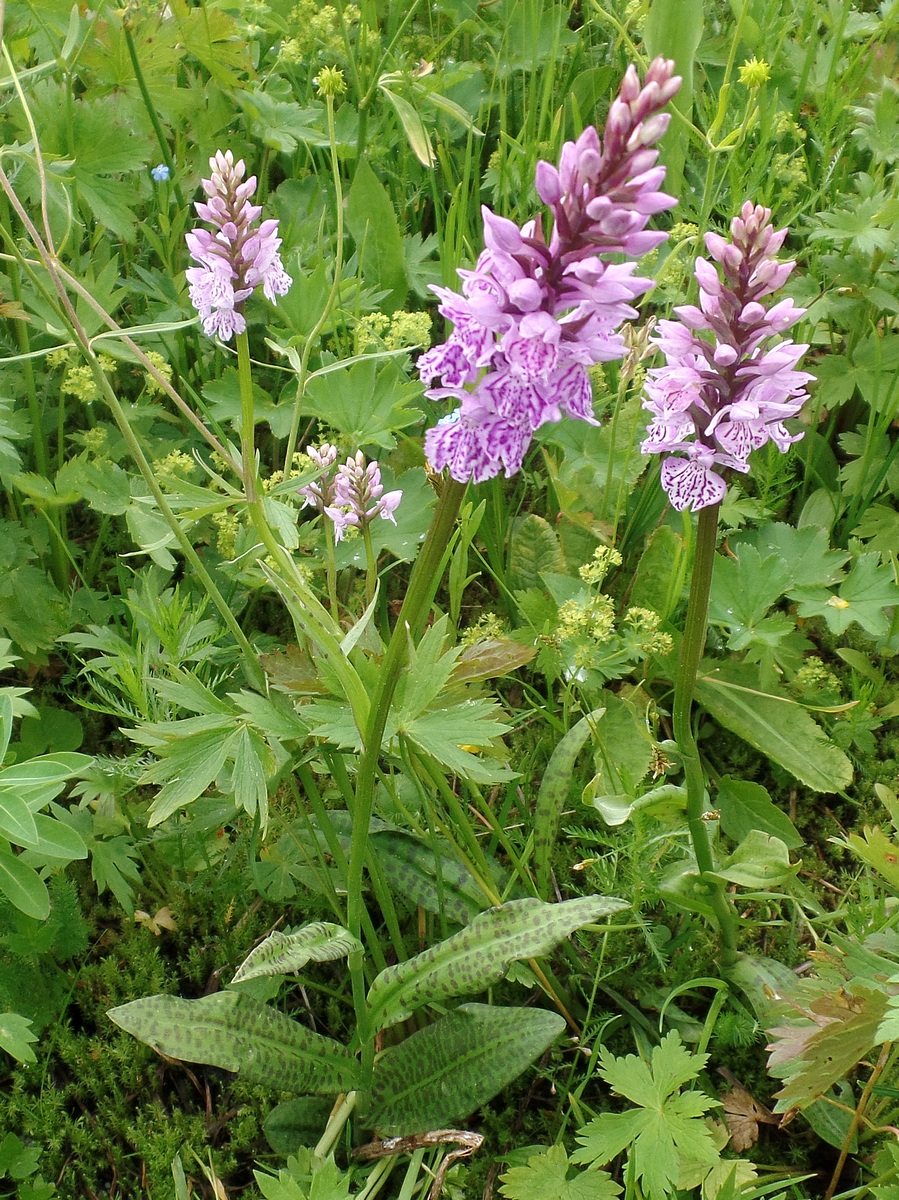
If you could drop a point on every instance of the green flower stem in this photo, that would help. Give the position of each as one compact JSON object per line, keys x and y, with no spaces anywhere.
{"x":152,"y":114}
{"x":310,"y":615}
{"x":371,"y":563}
{"x":331,"y":569}
{"x":247,"y":421}
{"x":426,"y":575}
{"x":333,"y":293}
{"x":691,"y":650}
{"x":252,"y":669}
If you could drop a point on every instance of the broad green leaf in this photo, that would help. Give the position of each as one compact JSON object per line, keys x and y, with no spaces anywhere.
{"x":674,"y":29}
{"x":369,"y":402}
{"x":424,"y":875}
{"x":296,"y":1122}
{"x":490,"y":658}
{"x":479,"y":955}
{"x":660,"y":573}
{"x":805,"y":553}
{"x":187,"y":765}
{"x":553,"y":794}
{"x":667,"y":1132}
{"x":49,"y":769}
{"x":15,"y":1039}
{"x":545,"y":1177}
{"x":17,"y":820}
{"x":372,"y":222}
{"x":447,"y":734}
{"x":56,"y":840}
{"x":102,"y":483}
{"x":413,"y":126}
{"x":623,"y":753}
{"x":23,"y":887}
{"x":440,"y":1075}
{"x":868,"y":590}
{"x":816,"y":1048}
{"x":745,"y":806}
{"x":283,"y":953}
{"x":534,"y":548}
{"x":233,"y":1031}
{"x":760,"y":861}
{"x":774,"y":725}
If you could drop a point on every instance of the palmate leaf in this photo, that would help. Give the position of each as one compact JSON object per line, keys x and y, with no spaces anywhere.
{"x":479,"y":955}
{"x":815,"y":1048}
{"x":545,"y":1177}
{"x":667,"y":1132}
{"x":869,"y":589}
{"x":237,"y":1033}
{"x":369,"y":402}
{"x":440,"y":1075}
{"x":16,"y":1036}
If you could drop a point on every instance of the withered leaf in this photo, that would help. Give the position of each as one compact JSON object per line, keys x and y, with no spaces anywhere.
{"x":743,"y":1114}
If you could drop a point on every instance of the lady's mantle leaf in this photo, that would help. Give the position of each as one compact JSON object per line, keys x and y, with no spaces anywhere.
{"x":667,"y":1132}
{"x":546,"y":1178}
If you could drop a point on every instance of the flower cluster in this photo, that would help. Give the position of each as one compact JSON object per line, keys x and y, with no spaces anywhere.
{"x":535,"y":314}
{"x":354,"y":496}
{"x":720,"y":397}
{"x":238,"y":257}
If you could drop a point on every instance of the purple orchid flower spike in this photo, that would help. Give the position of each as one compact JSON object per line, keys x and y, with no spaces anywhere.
{"x":238,"y":257}
{"x":534,"y":315}
{"x":720,"y":397}
{"x":359,"y":496}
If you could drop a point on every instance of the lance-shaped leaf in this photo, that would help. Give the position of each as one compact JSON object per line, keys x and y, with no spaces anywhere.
{"x":440,"y":1075}
{"x":479,"y":955}
{"x":554,"y":792}
{"x":237,"y":1033}
{"x":282,"y":953}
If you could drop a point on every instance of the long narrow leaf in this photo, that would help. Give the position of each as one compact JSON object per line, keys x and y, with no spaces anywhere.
{"x":237,"y":1033}
{"x":479,"y":955}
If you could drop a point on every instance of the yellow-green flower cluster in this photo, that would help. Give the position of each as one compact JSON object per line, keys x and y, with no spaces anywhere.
{"x":645,"y":625}
{"x":604,"y":559}
{"x":398,"y":332}
{"x":317,"y":33}
{"x":59,"y":357}
{"x":814,"y":676}
{"x":488,"y":627}
{"x":151,"y":383}
{"x":227,"y":528}
{"x":594,"y":618}
{"x":78,"y":380}
{"x":176,"y":463}
{"x":94,"y":440}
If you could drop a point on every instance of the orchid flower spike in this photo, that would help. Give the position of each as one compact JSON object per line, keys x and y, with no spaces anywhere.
{"x":726,"y":390}
{"x":534,"y":314}
{"x":239,"y":257}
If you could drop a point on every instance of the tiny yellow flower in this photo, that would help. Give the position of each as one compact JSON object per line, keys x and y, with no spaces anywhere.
{"x":754,"y":73}
{"x":330,"y":82}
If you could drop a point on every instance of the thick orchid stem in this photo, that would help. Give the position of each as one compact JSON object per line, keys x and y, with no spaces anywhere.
{"x":423,"y":583}
{"x":691,"y":650}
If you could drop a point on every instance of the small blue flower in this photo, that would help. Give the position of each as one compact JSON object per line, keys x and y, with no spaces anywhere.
{"x":161,"y":173}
